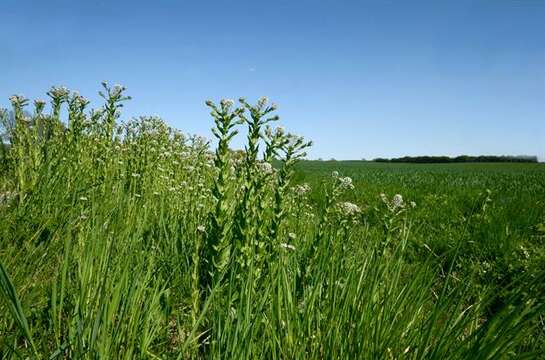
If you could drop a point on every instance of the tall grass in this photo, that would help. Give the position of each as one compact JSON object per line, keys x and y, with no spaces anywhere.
{"x":134,"y":240}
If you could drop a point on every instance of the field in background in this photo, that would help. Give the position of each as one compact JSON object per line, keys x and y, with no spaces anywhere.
{"x":492,"y":213}
{"x":134,"y":240}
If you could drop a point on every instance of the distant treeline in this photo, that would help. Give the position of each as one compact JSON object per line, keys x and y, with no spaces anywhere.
{"x":459,"y":159}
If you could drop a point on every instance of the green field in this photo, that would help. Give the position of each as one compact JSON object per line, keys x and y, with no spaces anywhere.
{"x":133,"y":240}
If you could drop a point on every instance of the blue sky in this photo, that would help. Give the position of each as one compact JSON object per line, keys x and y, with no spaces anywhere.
{"x":360,"y":78}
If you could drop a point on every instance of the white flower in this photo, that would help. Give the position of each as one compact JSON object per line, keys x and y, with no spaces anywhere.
{"x":413,"y":204}
{"x":291,"y":236}
{"x":201,"y":228}
{"x":227,"y":103}
{"x":265,"y":167}
{"x":397,"y":201}
{"x":335,"y":174}
{"x":287,"y":246}
{"x":346,"y":183}
{"x":19,"y":100}
{"x":59,"y":92}
{"x":83,"y":198}
{"x":348,"y":208}
{"x":117,"y":90}
{"x":301,"y":189}
{"x":135,"y":175}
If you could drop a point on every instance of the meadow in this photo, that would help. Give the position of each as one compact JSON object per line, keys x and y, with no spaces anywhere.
{"x":135,"y":240}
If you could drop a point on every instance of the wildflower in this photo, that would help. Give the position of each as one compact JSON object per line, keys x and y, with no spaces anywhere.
{"x":413,"y":204}
{"x":302,"y":189}
{"x":58,"y":92}
{"x":201,"y":228}
{"x":287,"y":246}
{"x":291,"y":236}
{"x":156,"y":193}
{"x":117,"y":90}
{"x":135,"y":175}
{"x":6,"y":197}
{"x":83,"y":198}
{"x":39,"y":102}
{"x":346,"y":183}
{"x":18,"y":100}
{"x":348,"y":208}
{"x":265,"y":167}
{"x":397,"y":201}
{"x":227,"y":103}
{"x":335,"y":174}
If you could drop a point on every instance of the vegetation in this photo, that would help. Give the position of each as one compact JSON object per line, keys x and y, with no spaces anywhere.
{"x":459,"y":159}
{"x":134,"y":240}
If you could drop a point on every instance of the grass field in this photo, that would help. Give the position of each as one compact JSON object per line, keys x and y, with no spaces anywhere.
{"x":133,"y":240}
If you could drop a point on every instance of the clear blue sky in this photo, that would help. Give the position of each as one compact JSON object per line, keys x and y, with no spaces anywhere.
{"x":360,"y":78}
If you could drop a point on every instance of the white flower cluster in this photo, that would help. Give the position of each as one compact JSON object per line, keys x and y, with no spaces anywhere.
{"x":6,"y":197}
{"x":227,"y":103}
{"x":301,"y":189}
{"x":117,"y":90}
{"x":397,"y":203}
{"x":346,"y":183}
{"x":287,"y":246}
{"x":265,"y":167}
{"x":17,"y":100}
{"x":348,"y":208}
{"x":58,"y":92}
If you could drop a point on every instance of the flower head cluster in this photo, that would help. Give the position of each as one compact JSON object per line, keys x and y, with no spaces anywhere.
{"x":346,"y":183}
{"x":58,"y":93}
{"x":396,"y":204}
{"x":39,"y":105}
{"x":18,"y":100}
{"x":287,"y":246}
{"x":301,"y":189}
{"x":227,"y":103}
{"x":397,"y":201}
{"x":265,"y":167}
{"x":348,"y":208}
{"x":117,"y":90}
